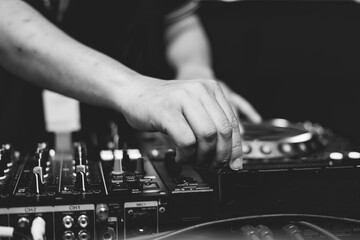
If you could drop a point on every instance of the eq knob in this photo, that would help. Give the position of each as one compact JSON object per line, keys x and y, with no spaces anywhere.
{"x":140,"y":170}
{"x":126,"y":161}
{"x":102,"y":212}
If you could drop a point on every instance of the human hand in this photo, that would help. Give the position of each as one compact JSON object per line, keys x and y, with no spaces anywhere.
{"x":195,"y":114}
{"x":237,"y":102}
{"x":240,"y":104}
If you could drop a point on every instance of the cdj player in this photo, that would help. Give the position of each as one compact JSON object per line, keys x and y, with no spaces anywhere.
{"x":127,"y":192}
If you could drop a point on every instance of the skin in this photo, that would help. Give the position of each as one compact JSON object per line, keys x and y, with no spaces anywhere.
{"x":196,"y":114}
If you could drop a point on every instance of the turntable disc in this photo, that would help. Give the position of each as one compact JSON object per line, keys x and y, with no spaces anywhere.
{"x":279,"y":138}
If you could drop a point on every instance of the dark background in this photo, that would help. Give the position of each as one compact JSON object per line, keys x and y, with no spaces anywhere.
{"x":291,"y":59}
{"x":297,"y":60}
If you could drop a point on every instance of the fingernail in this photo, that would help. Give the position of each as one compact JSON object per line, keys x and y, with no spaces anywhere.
{"x":237,"y":164}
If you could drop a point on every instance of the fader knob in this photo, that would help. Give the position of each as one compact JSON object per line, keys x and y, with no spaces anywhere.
{"x":117,"y":168}
{"x":43,"y":160}
{"x":126,"y":161}
{"x":39,"y":171}
{"x":80,"y":181}
{"x":171,"y":165}
{"x":140,"y":166}
{"x":38,"y":182}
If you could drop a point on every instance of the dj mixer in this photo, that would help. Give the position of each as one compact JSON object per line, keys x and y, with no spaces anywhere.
{"x":127,"y":192}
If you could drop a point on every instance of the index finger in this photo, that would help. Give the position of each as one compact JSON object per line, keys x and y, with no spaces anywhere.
{"x":236,"y":159}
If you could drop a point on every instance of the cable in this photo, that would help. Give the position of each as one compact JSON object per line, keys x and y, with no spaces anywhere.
{"x":176,"y":232}
{"x":317,"y":228}
{"x":10,"y":232}
{"x":38,"y":228}
{"x":6,"y":231}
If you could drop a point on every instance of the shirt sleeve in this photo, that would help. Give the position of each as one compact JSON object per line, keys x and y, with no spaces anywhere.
{"x":175,"y":10}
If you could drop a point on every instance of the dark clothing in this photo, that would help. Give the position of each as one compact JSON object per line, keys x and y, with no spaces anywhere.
{"x":130,"y":31}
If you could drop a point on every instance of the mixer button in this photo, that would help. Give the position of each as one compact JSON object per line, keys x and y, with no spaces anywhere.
{"x":302,"y":147}
{"x":286,"y":148}
{"x":354,"y":155}
{"x":266,"y":149}
{"x":246,"y":148}
{"x":336,"y":156}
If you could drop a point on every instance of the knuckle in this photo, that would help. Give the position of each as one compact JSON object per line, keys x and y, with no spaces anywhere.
{"x":226,"y":129}
{"x":234,"y":122}
{"x":223,"y":156}
{"x":205,"y":83}
{"x":209,"y":135}
{"x":198,"y":85}
{"x":188,"y":141}
{"x":214,"y":84}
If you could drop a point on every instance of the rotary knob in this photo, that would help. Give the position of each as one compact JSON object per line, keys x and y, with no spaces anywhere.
{"x":140,"y":170}
{"x":102,"y":212}
{"x":126,"y":161}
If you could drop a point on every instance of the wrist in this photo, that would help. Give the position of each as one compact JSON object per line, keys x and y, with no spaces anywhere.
{"x":128,"y":92}
{"x":195,"y":71}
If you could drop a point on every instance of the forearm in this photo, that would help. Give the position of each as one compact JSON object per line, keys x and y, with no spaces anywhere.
{"x":37,"y":51}
{"x":188,"y":49}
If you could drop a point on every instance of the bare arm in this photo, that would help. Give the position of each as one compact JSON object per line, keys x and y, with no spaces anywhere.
{"x":35,"y":50}
{"x":189,"y":52}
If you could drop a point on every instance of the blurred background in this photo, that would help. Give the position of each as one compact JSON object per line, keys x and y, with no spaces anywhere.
{"x":297,"y":60}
